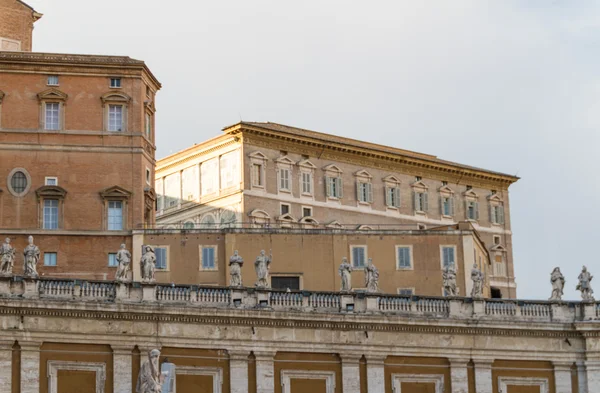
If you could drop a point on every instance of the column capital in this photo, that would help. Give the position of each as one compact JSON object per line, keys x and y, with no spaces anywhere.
{"x":122,"y":349}
{"x":30,"y":345}
{"x":375,"y":359}
{"x":238,"y":354}
{"x":350,"y":357}
{"x":6,"y":344}
{"x":264,"y":355}
{"x":459,"y":361}
{"x":562,"y":366}
{"x":483,"y":363}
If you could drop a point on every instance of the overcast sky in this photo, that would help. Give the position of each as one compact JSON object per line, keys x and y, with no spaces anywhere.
{"x":512,"y":86}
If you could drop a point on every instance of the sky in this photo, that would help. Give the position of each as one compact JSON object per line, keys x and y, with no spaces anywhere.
{"x":511,"y":86}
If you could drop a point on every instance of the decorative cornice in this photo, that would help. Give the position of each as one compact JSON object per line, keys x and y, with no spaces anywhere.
{"x":192,"y":153}
{"x":115,"y":96}
{"x":52,"y":94}
{"x":51,"y":192}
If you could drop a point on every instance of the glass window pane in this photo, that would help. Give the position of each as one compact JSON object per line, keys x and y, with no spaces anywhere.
{"x":209,"y":176}
{"x":115,"y":215}
{"x":50,"y":214}
{"x":51,"y":116}
{"x":115,"y":118}
{"x":18,"y":182}
{"x":49,"y":259}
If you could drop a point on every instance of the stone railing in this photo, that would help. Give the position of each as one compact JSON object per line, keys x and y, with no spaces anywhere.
{"x":195,"y":296}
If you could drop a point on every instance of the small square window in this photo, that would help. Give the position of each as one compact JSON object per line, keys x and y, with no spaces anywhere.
{"x":112,"y":260}
{"x":307,"y":212}
{"x":115,"y":83}
{"x":284,"y":208}
{"x":359,"y":256}
{"x":406,"y":291}
{"x":51,"y":181}
{"x":496,"y":239}
{"x":49,"y":259}
{"x":52,"y":80}
{"x":418,"y":178}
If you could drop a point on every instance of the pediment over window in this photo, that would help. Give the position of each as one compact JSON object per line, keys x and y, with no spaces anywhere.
{"x":285,"y":160}
{"x":363,"y":173}
{"x":307,"y":164}
{"x":150,"y":193}
{"x":258,"y":213}
{"x":471,"y":194}
{"x":115,"y":192}
{"x":498,"y":248}
{"x":391,"y":179}
{"x":115,"y":97}
{"x":334,"y":225}
{"x":258,"y":155}
{"x":332,"y":168}
{"x":286,"y":217}
{"x":1,"y":96}
{"x":51,"y":192}
{"x":364,"y":228}
{"x":309,"y":220}
{"x":419,"y":184}
{"x":52,"y":94}
{"x":149,"y":105}
{"x":494,"y":198}
{"x":446,"y":190}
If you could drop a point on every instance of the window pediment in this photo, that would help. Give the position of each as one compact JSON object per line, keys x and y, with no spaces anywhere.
{"x":419,"y":184}
{"x":470,"y":194}
{"x":286,"y":217}
{"x":258,"y":155}
{"x":258,"y":213}
{"x":446,"y":190}
{"x":51,"y":192}
{"x":498,"y":248}
{"x":307,"y":164}
{"x":149,"y":105}
{"x":115,"y":192}
{"x":391,"y":179}
{"x":363,"y":173}
{"x":334,"y":225}
{"x":115,"y":97}
{"x":333,"y":168}
{"x":494,"y":198}
{"x":364,"y":228}
{"x":309,"y":220}
{"x":150,"y":193}
{"x":284,"y":160}
{"x":52,"y":94}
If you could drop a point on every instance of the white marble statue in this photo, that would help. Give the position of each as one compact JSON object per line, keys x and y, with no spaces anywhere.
{"x":31,"y":254}
{"x":261,"y":265}
{"x":235,"y":269}
{"x":148,"y":264}
{"x":345,"y":271}
{"x":477,"y":278}
{"x":7,"y":258}
{"x":371,"y":277}
{"x":149,"y":378}
{"x":449,"y":280}
{"x":124,"y":260}
{"x":558,"y":283}
{"x":585,"y":279}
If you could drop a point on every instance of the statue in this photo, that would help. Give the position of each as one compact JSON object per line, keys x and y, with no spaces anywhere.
{"x":235,"y":269}
{"x":32,"y":257}
{"x":261,"y":265}
{"x":584,"y":285}
{"x":346,"y":275}
{"x":148,"y":264}
{"x":478,"y":278}
{"x":124,"y":259}
{"x":149,"y":378}
{"x":371,"y":277}
{"x":449,"y":279}
{"x":558,"y":283}
{"x":7,"y":258}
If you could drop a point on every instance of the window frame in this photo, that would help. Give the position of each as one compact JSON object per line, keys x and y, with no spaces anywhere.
{"x":121,"y":111}
{"x":412,"y":291}
{"x":116,"y":264}
{"x":452,"y":246}
{"x":58,"y":116}
{"x":410,"y":257}
{"x":309,"y":208}
{"x":289,"y":207}
{"x":52,"y":96}
{"x":112,"y":194}
{"x":9,"y":182}
{"x":167,"y":256}
{"x":52,"y":84}
{"x":115,"y":78}
{"x":115,"y":99}
{"x":55,"y":209}
{"x":286,"y":275}
{"x":215,"y":249}
{"x":108,"y":218}
{"x":366,"y":256}
{"x":306,"y":168}
{"x":51,"y":253}
{"x":48,"y":178}
{"x":258,"y":159}
{"x":334,"y":183}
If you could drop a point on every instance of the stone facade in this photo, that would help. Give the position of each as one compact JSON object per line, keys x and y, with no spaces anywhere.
{"x":16,"y":25}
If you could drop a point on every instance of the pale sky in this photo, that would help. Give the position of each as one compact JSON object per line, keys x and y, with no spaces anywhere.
{"x":511,"y":86}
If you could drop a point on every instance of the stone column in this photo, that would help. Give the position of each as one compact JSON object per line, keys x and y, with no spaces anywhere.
{"x":350,"y":372}
{"x":483,"y":376}
{"x":6,"y":365}
{"x":593,"y":376}
{"x":562,"y":377}
{"x":238,"y":371}
{"x":122,"y":363}
{"x":459,"y":375}
{"x":582,"y":377}
{"x":30,"y":367}
{"x":265,"y":371}
{"x":375,"y":374}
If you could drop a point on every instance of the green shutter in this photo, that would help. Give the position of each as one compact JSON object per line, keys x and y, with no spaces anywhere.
{"x":425,"y":202}
{"x":476,"y":206}
{"x":388,"y":197}
{"x":340,"y":187}
{"x":416,"y":204}
{"x":358,"y":192}
{"x":500,"y":214}
{"x":327,"y":186}
{"x":369,"y":193}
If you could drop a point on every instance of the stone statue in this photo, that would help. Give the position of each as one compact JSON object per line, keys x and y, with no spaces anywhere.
{"x":584,"y":285}
{"x":261,"y":265}
{"x":7,"y":258}
{"x":449,"y":279}
{"x":235,"y":269}
{"x":32,"y":257}
{"x":558,"y":283}
{"x":149,"y":378}
{"x":478,"y":278}
{"x":346,"y":275}
{"x":371,"y":277}
{"x":124,"y":260}
{"x":148,"y":264}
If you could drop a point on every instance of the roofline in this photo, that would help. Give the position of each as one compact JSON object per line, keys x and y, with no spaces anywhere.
{"x":187,"y":153}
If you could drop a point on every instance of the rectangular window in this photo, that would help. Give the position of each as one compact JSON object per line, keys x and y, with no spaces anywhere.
{"x":51,"y":181}
{"x":148,"y":178}
{"x":421,"y":201}
{"x":209,"y":176}
{"x":172,"y":190}
{"x":284,"y":179}
{"x":148,"y":126}
{"x":334,"y":187}
{"x":405,"y":291}
{"x":160,"y":194}
{"x":285,"y":282}
{"x":112,"y":260}
{"x":284,"y":208}
{"x":115,"y":215}
{"x":448,"y":257}
{"x":307,"y":212}
{"x":49,"y":259}
{"x":496,"y":239}
{"x":497,"y":214}
{"x":230,"y":170}
{"x":189,"y":183}
{"x":364,"y":191}
{"x":52,"y":80}
{"x":403,"y":257}
{"x":447,"y":206}
{"x":392,"y":196}
{"x":52,"y":116}
{"x":50,"y":213}
{"x":115,"y":83}
{"x":307,"y":183}
{"x":161,"y":257}
{"x":359,"y":256}
{"x":115,"y":118}
{"x":257,"y":176}
{"x":472,"y":210}
{"x":208,"y":258}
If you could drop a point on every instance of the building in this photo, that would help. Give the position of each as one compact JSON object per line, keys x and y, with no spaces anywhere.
{"x":16,"y":25}
{"x":80,"y":336}
{"x":77,"y":152}
{"x":267,"y":174}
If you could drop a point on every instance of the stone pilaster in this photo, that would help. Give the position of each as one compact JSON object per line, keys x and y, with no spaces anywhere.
{"x":375,"y":374}
{"x":6,"y":365}
{"x":265,"y":371}
{"x":483,"y":376}
{"x":238,"y":370}
{"x":582,"y":377}
{"x":459,"y":375}
{"x":593,"y":375}
{"x":562,"y":377}
{"x":350,"y":372}
{"x":122,"y":363}
{"x":30,"y":367}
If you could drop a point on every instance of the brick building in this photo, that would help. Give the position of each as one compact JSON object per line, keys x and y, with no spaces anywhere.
{"x":16,"y":25}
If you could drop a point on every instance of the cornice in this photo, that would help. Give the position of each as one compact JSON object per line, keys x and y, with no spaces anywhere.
{"x":196,"y":151}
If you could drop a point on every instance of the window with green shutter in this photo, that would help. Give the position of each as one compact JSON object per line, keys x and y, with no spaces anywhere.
{"x":359,"y":256}
{"x":448,"y":257}
{"x":404,"y":258}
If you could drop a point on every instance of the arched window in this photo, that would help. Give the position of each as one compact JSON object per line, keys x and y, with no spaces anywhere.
{"x":208,"y":221}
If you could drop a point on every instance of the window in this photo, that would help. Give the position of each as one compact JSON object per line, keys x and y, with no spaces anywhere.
{"x":499,"y":265}
{"x":392,"y":197}
{"x":285,"y":282}
{"x":189,"y":183}
{"x":307,"y":183}
{"x":497,"y":214}
{"x":359,"y":256}
{"x":161,"y":257}
{"x":406,"y":291}
{"x":50,"y":213}
{"x":284,"y":208}
{"x":284,"y":179}
{"x":444,"y":183}
{"x":496,"y":239}
{"x":472,"y":210}
{"x":51,"y":181}
{"x":230,"y":170}
{"x":115,"y":83}
{"x":115,"y":118}
{"x":172,"y":190}
{"x":148,"y":123}
{"x":209,"y":176}
{"x":208,"y":258}
{"x":403,"y":257}
{"x":418,"y":178}
{"x":52,"y":80}
{"x":334,"y":187}
{"x":148,"y":178}
{"x":307,"y":212}
{"x":257,"y":178}
{"x":115,"y":215}
{"x":448,"y":256}
{"x":112,"y":260}
{"x":148,"y":92}
{"x":447,"y":206}
{"x":421,"y":201}
{"x":364,"y":192}
{"x":18,"y":182}
{"x":49,"y":259}
{"x":52,"y":120}
{"x":208,"y":221}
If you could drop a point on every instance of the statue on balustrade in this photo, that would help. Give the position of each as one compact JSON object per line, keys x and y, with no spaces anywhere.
{"x":124,"y":260}
{"x":477,"y":277}
{"x":7,"y":258}
{"x":32,"y":257}
{"x":449,"y":280}
{"x":585,"y":279}
{"x":235,"y":269}
{"x":371,"y":277}
{"x":346,"y":275}
{"x":261,"y":265}
{"x":149,"y":378}
{"x":558,"y":283}
{"x":148,"y":264}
